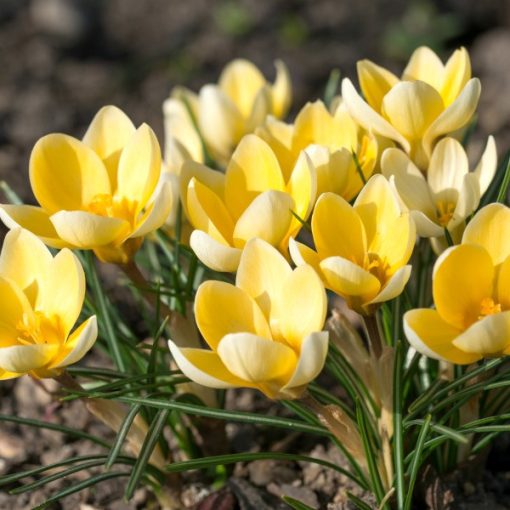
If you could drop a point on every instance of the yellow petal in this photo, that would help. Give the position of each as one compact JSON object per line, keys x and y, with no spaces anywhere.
{"x":303,"y":306}
{"x":367,"y":117}
{"x":62,"y":290}
{"x":78,"y":344}
{"x":469,"y":198}
{"x":455,"y":116}
{"x":25,"y":358}
{"x":86,"y":231}
{"x":425,"y":65}
{"x":257,"y":360}
{"x":488,"y":337}
{"x":14,"y":305}
{"x":205,"y":368}
{"x":349,"y":280}
{"x":456,"y":74}
{"x":261,"y":108}
{"x":425,"y":227}
{"x":261,"y":274}
{"x":375,"y":82}
{"x":139,"y":167}
{"x":486,"y":168}
{"x":208,"y":213}
{"x":430,"y":335}
{"x":503,"y":285}
{"x":239,"y":312}
{"x":268,"y":217}
{"x":252,"y":170}
{"x":281,"y":91}
{"x":463,"y":277}
{"x":215,"y":255}
{"x":24,"y":259}
{"x":393,"y":287}
{"x":314,"y":350}
{"x":33,"y":219}
{"x":332,"y":169}
{"x":486,"y":229}
{"x":302,"y":255}
{"x":411,"y":107}
{"x":337,"y":229}
{"x":241,"y":80}
{"x":108,"y":133}
{"x":65,"y":173}
{"x":409,"y":181}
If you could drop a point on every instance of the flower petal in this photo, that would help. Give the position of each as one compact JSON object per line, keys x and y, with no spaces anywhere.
{"x":78,"y":344}
{"x":425,"y":227}
{"x":458,"y":289}
{"x":365,"y":116}
{"x":302,"y":306}
{"x":394,"y":286}
{"x":281,"y":90}
{"x":503,"y":285}
{"x":302,"y":255}
{"x":424,"y":65}
{"x":25,"y":358}
{"x":139,"y":167}
{"x":469,"y":198}
{"x":457,"y":73}
{"x":267,"y":217}
{"x":65,"y":173}
{"x":252,"y":170}
{"x":487,"y":337}
{"x":261,"y":274}
{"x":34,"y":219}
{"x":239,"y":312}
{"x":455,"y":116}
{"x":338,"y":229}
{"x":14,"y":305}
{"x":205,"y":367}
{"x":86,"y":230}
{"x":215,"y":255}
{"x":486,"y":229}
{"x":107,"y":134}
{"x":375,"y":82}
{"x":430,"y":335}
{"x":486,"y":168}
{"x":314,"y":350}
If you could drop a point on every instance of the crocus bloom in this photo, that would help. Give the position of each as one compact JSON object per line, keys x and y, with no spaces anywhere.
{"x":431,"y":100}
{"x":448,"y":193}
{"x":235,"y":106}
{"x":41,"y":297}
{"x":329,"y":140}
{"x":471,"y":290}
{"x":361,"y":250}
{"x":97,"y":193}
{"x":264,"y":332}
{"x":252,"y":199}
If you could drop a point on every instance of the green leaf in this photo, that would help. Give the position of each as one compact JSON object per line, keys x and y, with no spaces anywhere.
{"x":357,"y":502}
{"x":398,"y":434}
{"x":331,"y":87}
{"x":296,"y":504}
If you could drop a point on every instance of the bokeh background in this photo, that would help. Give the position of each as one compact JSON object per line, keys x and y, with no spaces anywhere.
{"x":61,"y":60}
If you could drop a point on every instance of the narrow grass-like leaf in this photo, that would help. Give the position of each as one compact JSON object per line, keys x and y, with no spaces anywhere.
{"x":398,"y":434}
{"x":503,"y":189}
{"x":357,"y":502}
{"x":331,"y":88}
{"x":296,"y":504}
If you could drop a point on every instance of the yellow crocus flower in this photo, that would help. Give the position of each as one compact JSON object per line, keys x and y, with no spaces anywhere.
{"x":98,"y":193}
{"x":268,"y":335}
{"x":252,"y":199}
{"x":471,"y":291}
{"x":361,"y":250}
{"x":329,"y":140}
{"x":429,"y":101}
{"x":41,"y":297}
{"x":240,"y":102}
{"x":448,"y":193}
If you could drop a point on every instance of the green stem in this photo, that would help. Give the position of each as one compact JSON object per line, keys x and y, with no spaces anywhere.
{"x":374,"y":334}
{"x":398,"y":432}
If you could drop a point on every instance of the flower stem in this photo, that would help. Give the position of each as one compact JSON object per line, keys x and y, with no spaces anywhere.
{"x":374,"y":334}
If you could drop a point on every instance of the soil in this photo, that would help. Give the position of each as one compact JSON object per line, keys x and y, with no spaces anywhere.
{"x":61,"y":60}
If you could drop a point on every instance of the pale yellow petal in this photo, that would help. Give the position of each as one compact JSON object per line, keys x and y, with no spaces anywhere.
{"x":26,"y":358}
{"x":411,"y":107}
{"x":107,"y":134}
{"x":239,"y":312}
{"x":332,"y":168}
{"x":66,"y":173}
{"x":503,"y":285}
{"x":338,"y":229}
{"x":487,"y":229}
{"x":469,"y":198}
{"x":86,"y":230}
{"x":486,"y":168}
{"x":375,"y":82}
{"x":14,"y":305}
{"x":425,"y":227}
{"x":205,"y":368}
{"x":430,"y":335}
{"x":393,"y":287}
{"x":281,"y":90}
{"x":215,"y":255}
{"x":302,"y":255}
{"x":456,"y":74}
{"x":260,"y":110}
{"x":487,"y":337}
{"x":302,"y":307}
{"x":252,"y":170}
{"x":463,"y":278}
{"x":267,"y":217}
{"x":261,"y":274}
{"x":425,"y":65}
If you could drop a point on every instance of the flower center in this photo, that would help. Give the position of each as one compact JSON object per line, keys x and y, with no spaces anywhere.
{"x":378,"y":266}
{"x":40,"y":329}
{"x":445,"y":210}
{"x":104,"y":204}
{"x":488,"y":307}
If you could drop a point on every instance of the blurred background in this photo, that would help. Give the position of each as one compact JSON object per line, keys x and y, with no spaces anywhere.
{"x":61,"y":60}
